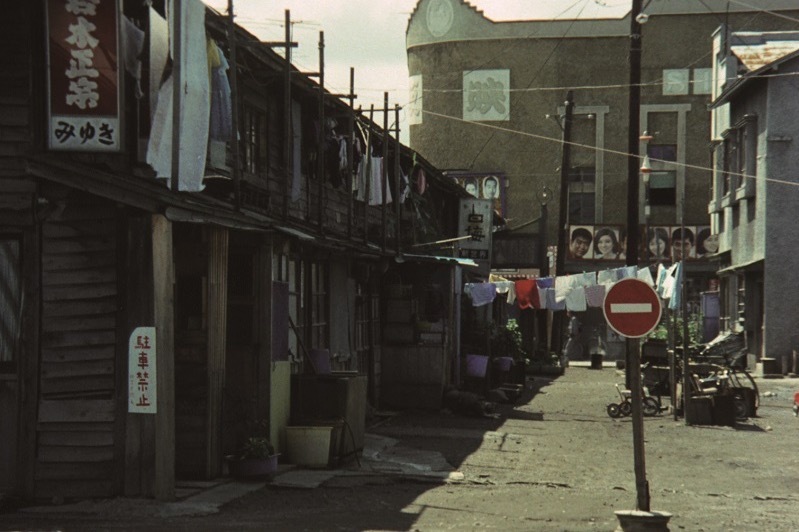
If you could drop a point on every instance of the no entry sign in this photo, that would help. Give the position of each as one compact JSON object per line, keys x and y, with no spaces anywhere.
{"x":632,"y":308}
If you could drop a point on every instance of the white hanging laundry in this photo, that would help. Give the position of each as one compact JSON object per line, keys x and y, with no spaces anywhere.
{"x":507,"y":287}
{"x":595,"y":295}
{"x":376,"y":183}
{"x":669,"y":281}
{"x":661,"y":277}
{"x":645,"y":275}
{"x":195,"y":103}
{"x":563,"y":284}
{"x":575,"y":299}
{"x":606,"y":277}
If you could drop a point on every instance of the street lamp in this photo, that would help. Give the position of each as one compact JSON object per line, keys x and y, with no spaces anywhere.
{"x":646,"y":170}
{"x":544,"y":195}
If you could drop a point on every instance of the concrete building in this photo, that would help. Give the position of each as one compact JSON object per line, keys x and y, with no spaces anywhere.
{"x":487,"y":99}
{"x":755,"y":187}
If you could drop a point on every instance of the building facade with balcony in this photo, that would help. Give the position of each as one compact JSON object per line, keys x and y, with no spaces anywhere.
{"x":755,"y":187}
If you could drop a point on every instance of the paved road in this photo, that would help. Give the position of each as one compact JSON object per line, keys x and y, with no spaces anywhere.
{"x":554,"y":461}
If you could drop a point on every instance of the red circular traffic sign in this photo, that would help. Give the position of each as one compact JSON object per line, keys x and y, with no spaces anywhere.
{"x":632,"y":308}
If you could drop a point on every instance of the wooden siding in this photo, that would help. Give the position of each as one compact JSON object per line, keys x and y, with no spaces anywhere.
{"x":78,"y":396}
{"x":16,"y":135}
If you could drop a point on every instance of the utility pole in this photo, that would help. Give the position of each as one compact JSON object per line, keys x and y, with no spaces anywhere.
{"x":565,"y":164}
{"x":633,"y":364}
{"x":563,"y":212}
{"x":234,"y":104}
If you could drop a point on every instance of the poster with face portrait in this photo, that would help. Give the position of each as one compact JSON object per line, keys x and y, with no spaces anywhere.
{"x":608,"y":243}
{"x":580,"y":242}
{"x":486,"y":186}
{"x":707,"y":243}
{"x":663,"y":243}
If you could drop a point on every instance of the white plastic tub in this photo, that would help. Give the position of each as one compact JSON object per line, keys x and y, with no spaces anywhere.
{"x":309,"y":446}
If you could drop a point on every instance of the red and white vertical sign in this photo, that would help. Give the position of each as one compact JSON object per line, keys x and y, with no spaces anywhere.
{"x":83,"y":75}
{"x":142,"y":398}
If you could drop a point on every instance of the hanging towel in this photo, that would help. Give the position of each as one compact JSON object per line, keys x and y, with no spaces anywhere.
{"x":606,"y":277}
{"x":506,"y":287}
{"x":668,"y":281}
{"x":575,"y":299}
{"x":563,"y":285}
{"x":646,"y":276}
{"x":195,"y":94}
{"x":552,"y":303}
{"x":595,"y":295}
{"x":545,"y":282}
{"x":676,"y":286}
{"x":221,"y":120}
{"x":527,"y":294}
{"x":376,"y":183}
{"x":588,"y":279}
{"x":132,"y":42}
{"x":660,"y":278}
{"x":482,"y":293}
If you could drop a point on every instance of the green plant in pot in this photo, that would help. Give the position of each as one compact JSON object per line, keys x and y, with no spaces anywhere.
{"x":255,"y":458}
{"x":506,"y":341}
{"x":257,"y":447}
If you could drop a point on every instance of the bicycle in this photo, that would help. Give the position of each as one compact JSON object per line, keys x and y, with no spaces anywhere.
{"x":649,"y":404}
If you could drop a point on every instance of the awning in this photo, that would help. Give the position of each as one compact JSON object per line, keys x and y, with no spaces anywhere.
{"x":294,"y":232}
{"x":746,"y":266}
{"x":404,"y":257}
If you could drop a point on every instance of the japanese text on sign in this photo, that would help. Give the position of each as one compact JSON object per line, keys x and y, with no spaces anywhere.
{"x":142,"y":371}
{"x":476,"y":216}
{"x":83,"y":75}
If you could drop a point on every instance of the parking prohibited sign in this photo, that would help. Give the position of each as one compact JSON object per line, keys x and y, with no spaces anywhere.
{"x":632,"y":308}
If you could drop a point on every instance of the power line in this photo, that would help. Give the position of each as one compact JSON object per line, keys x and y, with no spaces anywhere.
{"x":756,"y":8}
{"x":620,"y":85}
{"x":537,"y":74}
{"x":604,"y":150}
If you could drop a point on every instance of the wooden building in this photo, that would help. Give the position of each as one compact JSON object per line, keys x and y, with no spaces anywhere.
{"x":267,"y":251}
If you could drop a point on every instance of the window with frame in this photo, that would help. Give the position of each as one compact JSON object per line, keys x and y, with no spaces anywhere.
{"x":663,"y":188}
{"x":290,"y":272}
{"x":662,"y":182}
{"x":10,"y":301}
{"x":740,"y":156}
{"x":255,"y":141}
{"x":318,"y":303}
{"x":582,"y":195}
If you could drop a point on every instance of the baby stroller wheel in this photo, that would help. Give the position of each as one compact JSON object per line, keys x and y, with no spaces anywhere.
{"x":741,"y":410}
{"x":626,"y":408}
{"x":613,"y":410}
{"x":651,"y":406}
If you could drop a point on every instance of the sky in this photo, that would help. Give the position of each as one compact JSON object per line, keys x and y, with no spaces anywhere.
{"x":369,"y":36}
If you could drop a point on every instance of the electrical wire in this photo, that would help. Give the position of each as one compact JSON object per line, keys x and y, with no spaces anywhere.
{"x":750,"y":6}
{"x":619,"y":85}
{"x":537,"y":74}
{"x":604,"y":150}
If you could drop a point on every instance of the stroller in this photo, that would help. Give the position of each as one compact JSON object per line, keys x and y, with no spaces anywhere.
{"x":651,"y":406}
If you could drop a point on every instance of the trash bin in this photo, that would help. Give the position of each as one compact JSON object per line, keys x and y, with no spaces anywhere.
{"x":596,"y":361}
{"x":724,"y":410}
{"x":699,"y":411}
{"x":750,"y":398}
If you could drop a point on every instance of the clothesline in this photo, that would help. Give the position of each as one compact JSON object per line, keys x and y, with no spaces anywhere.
{"x":576,"y":292}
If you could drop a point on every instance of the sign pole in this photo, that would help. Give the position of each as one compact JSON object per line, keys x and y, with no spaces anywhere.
{"x":633,"y":309}
{"x":636,"y":396}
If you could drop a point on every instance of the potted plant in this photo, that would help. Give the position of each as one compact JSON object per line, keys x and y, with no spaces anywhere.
{"x":256,"y":456}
